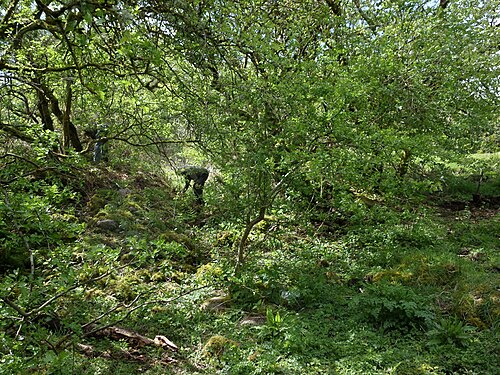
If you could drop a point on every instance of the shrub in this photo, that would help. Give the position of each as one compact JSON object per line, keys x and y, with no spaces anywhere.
{"x":392,"y":306}
{"x":33,"y":220}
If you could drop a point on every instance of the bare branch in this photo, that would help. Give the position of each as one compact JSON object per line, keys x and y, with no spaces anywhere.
{"x":153,"y":143}
{"x":131,"y":308}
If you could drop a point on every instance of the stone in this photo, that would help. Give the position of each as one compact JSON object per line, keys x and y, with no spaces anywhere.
{"x":124,"y":192}
{"x":253,"y":320}
{"x":108,"y":224}
{"x":217,"y":304}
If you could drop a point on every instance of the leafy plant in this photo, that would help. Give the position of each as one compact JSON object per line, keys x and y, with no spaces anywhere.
{"x":34,"y":219}
{"x":392,"y":306}
{"x":450,"y":332}
{"x":274,"y":324}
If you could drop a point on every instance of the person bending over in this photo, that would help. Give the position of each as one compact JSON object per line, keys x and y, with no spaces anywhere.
{"x":198,"y":175}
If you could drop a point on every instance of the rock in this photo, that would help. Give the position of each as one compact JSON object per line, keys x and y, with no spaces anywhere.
{"x":133,"y":209}
{"x":253,"y":320}
{"x":216,"y":304}
{"x":108,"y":224}
{"x":124,"y":192}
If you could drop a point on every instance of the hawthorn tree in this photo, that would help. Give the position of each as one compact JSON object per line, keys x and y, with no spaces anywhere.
{"x":69,"y":65}
{"x":351,"y":96}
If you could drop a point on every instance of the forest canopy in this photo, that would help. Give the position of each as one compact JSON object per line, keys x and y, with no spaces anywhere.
{"x":408,"y":79}
{"x":362,"y":96}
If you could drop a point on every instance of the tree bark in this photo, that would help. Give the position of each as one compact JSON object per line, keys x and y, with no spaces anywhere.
{"x":335,"y":6}
{"x":64,"y":118}
{"x":443,"y":3}
{"x":43,"y":106}
{"x":67,"y":141}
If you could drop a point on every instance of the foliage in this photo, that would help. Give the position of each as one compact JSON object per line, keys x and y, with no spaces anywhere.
{"x":274,"y":324}
{"x":392,"y":306}
{"x":449,"y":332}
{"x":31,"y":221}
{"x":352,"y":199}
{"x":355,"y":302}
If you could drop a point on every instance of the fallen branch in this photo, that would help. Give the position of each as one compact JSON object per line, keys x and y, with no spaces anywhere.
{"x":91,"y":328}
{"x":134,"y":338}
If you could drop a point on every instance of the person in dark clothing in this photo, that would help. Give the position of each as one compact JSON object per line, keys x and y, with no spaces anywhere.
{"x":100,"y":148}
{"x":198,"y":175}
{"x":99,"y":135}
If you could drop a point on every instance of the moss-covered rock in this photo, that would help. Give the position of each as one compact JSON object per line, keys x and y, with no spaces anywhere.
{"x":216,"y":345}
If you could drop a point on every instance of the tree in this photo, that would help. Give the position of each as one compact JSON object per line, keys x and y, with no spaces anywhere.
{"x":58,"y":54}
{"x":350,"y":95}
{"x":357,"y":97}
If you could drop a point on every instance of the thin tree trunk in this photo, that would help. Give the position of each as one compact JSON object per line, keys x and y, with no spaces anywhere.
{"x":65,"y":118}
{"x":43,"y":106}
{"x":244,"y":238}
{"x":252,"y":223}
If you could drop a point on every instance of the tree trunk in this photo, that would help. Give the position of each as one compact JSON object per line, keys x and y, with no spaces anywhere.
{"x":43,"y":106}
{"x":244,"y":238}
{"x":65,"y":117}
{"x":69,"y":130}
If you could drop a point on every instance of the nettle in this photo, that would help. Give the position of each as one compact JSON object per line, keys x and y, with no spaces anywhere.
{"x":392,"y":307}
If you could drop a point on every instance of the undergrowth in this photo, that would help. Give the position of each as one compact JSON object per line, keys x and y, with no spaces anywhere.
{"x":411,"y":291}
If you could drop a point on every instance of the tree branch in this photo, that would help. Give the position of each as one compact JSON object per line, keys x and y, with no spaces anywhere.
{"x":153,"y":143}
{"x":8,"y":154}
{"x":371,"y":24}
{"x":443,"y":4}
{"x":8,"y":14}
{"x":15,"y":307}
{"x":131,"y":308}
{"x":13,"y":131}
{"x":260,"y":216}
{"x":334,"y":6}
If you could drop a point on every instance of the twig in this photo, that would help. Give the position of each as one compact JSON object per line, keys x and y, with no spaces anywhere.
{"x":64,"y":292}
{"x":160,"y":142}
{"x":16,"y":307}
{"x":92,"y":331}
{"x":145,"y":304}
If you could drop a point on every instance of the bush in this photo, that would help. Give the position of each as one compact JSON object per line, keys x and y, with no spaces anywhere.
{"x":34,"y":220}
{"x":392,"y":306}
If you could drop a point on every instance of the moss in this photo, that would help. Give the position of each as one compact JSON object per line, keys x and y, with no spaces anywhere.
{"x":216,"y":345}
{"x":95,"y":204}
{"x":392,"y":276}
{"x":99,"y":200}
{"x":437,"y":274}
{"x":411,"y":367}
{"x":477,"y":303}
{"x":171,"y":236}
{"x":422,"y":270}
